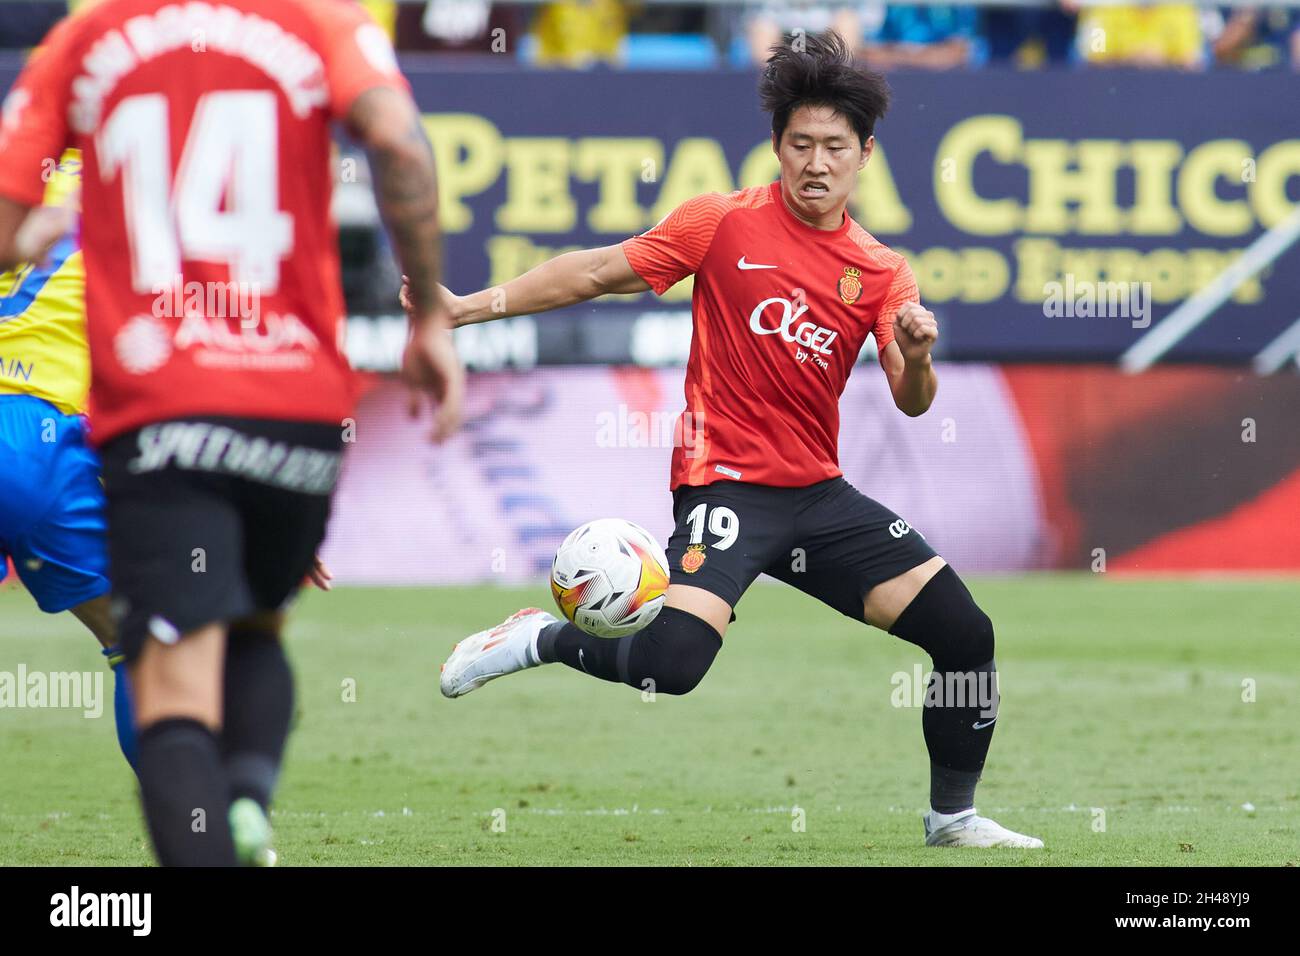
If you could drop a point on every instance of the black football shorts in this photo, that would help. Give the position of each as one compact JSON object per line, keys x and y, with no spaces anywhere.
{"x":213,"y":519}
{"x":828,"y":540}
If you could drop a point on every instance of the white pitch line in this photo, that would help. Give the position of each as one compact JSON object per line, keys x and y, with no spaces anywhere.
{"x":1179,"y":323}
{"x":1280,"y":351}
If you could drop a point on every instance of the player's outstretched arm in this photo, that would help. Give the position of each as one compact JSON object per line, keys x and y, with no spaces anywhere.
{"x":387,"y":123}
{"x":906,"y":360}
{"x":565,"y":280}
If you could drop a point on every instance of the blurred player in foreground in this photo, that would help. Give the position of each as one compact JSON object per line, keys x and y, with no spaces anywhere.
{"x":215,"y":312}
{"x":52,"y":522}
{"x":51,"y":502}
{"x":787,"y":287}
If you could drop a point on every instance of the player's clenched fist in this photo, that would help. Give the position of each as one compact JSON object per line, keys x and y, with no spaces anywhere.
{"x":915,"y":331}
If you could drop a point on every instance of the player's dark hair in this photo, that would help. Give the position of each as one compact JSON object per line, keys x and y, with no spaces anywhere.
{"x":819,"y":70}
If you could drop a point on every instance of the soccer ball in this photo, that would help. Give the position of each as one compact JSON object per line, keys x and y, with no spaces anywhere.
{"x":609,"y":577}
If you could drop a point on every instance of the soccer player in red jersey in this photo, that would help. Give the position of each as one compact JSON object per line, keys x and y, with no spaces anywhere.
{"x":215,"y":321}
{"x":787,"y":288}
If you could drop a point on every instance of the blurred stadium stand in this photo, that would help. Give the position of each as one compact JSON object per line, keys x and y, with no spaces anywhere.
{"x":918,"y":34}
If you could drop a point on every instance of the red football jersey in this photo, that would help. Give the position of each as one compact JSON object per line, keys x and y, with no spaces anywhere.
{"x":781,"y":310}
{"x":212,"y":272}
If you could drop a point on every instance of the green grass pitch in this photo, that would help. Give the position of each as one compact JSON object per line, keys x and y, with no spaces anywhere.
{"x":1119,"y":694}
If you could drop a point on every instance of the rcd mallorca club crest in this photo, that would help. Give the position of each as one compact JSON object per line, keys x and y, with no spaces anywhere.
{"x":850,"y":285}
{"x":693,"y":558}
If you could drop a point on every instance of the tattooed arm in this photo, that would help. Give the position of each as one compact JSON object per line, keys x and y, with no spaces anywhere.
{"x":401,"y":164}
{"x":387,"y":123}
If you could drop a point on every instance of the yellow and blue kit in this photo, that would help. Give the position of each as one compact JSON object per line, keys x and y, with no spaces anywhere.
{"x":51,"y":502}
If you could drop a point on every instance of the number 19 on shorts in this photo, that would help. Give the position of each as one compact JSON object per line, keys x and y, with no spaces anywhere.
{"x":721,"y":521}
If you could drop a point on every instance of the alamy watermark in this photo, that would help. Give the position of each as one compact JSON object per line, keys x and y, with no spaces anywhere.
{"x":128,"y":910}
{"x":215,"y":300}
{"x":631,"y":428}
{"x":66,"y":690}
{"x":949,"y":689}
{"x":1102,"y":300}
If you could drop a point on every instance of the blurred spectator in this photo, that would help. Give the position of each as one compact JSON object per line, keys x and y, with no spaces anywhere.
{"x":933,"y":36}
{"x":671,"y":18}
{"x":1030,"y":37}
{"x":929,"y":37}
{"x":458,"y":26}
{"x":765,"y":28}
{"x":579,"y":33}
{"x":1155,"y":35}
{"x":673,"y":36}
{"x":1255,"y":39}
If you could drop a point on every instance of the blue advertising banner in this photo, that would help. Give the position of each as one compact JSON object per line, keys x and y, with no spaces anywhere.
{"x":1052,"y":215}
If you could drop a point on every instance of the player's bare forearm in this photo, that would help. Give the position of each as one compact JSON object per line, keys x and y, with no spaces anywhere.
{"x":915,"y":387}
{"x":565,"y":280}
{"x":906,"y":360}
{"x":406,"y":190}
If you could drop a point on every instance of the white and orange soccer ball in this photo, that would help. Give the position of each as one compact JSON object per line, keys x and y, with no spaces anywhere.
{"x":609,"y":577}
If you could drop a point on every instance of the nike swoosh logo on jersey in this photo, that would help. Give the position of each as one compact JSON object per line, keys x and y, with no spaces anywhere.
{"x":742,"y":264}
{"x":980,"y":726}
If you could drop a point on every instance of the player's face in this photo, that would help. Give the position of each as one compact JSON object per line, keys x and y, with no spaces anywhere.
{"x":820,"y":159}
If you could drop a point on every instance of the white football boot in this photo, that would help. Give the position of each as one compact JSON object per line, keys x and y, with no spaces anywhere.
{"x":970,"y":829}
{"x":510,"y":646}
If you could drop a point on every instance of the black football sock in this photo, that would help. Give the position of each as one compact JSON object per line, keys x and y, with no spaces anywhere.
{"x":185,"y":794}
{"x":258,"y":713}
{"x":951,"y":791}
{"x":958,"y":733}
{"x":961,"y":702}
{"x":668,"y":656}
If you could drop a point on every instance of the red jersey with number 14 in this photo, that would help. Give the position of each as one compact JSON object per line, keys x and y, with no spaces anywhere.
{"x":212,"y":273}
{"x":781,"y":310}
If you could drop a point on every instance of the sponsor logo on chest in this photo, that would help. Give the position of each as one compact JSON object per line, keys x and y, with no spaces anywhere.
{"x":792,"y":316}
{"x":781,"y":316}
